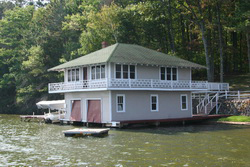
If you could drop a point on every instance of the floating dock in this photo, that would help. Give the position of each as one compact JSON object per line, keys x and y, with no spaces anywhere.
{"x":86,"y":132}
{"x":32,"y":118}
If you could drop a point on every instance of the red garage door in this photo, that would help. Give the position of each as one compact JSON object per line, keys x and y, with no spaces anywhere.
{"x":94,"y":111}
{"x":76,"y":111}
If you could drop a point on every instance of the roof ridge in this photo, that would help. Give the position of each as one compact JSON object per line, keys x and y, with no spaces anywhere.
{"x":112,"y":53}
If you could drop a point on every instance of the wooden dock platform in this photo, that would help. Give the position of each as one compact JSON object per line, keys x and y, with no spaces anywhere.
{"x":32,"y":118}
{"x":80,"y":132}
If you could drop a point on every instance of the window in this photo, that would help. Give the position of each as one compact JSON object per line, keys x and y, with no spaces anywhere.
{"x":120,"y":103}
{"x":163,"y":73}
{"x":174,"y":74}
{"x":167,"y":73}
{"x":118,"y":71}
{"x":73,"y":75}
{"x":124,"y":71}
{"x":77,"y":74}
{"x":69,"y":75}
{"x":154,"y":103}
{"x":132,"y":71}
{"x":102,"y":71}
{"x":184,"y":104}
{"x":98,"y":72}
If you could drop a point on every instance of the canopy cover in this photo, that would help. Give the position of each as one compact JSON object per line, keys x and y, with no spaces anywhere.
{"x":53,"y":105}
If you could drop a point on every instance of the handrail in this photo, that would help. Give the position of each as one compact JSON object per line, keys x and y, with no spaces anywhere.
{"x":129,"y":83}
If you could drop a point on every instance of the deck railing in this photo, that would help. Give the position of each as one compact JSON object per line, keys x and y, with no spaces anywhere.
{"x":135,"y":84}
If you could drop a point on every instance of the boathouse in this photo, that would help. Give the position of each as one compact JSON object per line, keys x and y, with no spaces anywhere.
{"x":127,"y":82}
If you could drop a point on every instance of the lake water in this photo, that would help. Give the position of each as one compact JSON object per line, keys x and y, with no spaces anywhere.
{"x":38,"y":144}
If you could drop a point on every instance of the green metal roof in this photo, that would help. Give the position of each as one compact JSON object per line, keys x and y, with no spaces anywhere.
{"x":128,"y":54}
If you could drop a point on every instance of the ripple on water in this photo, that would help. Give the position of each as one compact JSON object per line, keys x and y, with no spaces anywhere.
{"x":33,"y":144}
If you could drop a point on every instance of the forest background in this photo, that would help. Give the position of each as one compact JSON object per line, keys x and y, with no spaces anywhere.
{"x":37,"y":35}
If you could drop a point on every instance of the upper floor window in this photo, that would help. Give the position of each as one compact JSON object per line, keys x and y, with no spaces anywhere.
{"x":98,"y":72}
{"x":73,"y":75}
{"x":184,"y":103}
{"x":167,"y":73}
{"x":124,"y":71}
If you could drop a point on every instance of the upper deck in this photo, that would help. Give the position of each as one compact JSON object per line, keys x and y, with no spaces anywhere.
{"x":135,"y":84}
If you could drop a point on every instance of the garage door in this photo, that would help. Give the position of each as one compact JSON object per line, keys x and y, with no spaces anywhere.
{"x":76,"y":111}
{"x":94,"y":111}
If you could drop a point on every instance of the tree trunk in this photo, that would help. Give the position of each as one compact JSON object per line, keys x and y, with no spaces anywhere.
{"x":248,"y":50}
{"x":235,"y":55}
{"x":220,"y":41}
{"x":170,"y":27}
{"x":210,"y":44}
{"x":205,"y":44}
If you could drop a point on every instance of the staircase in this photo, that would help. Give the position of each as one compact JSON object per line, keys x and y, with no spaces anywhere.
{"x":207,"y":104}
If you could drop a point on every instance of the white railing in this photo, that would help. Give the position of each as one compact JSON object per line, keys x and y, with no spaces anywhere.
{"x":135,"y":83}
{"x":207,"y":104}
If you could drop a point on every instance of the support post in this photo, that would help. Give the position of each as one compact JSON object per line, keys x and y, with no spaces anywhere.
{"x":226,"y":94}
{"x":238,"y":95}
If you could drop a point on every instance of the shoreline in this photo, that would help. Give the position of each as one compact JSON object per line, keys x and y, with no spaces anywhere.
{"x":230,"y":122}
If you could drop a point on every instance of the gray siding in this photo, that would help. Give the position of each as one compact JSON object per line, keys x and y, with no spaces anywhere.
{"x":147,"y":72}
{"x":137,"y":105}
{"x":84,"y":96}
{"x":184,"y":74}
{"x":153,"y":72}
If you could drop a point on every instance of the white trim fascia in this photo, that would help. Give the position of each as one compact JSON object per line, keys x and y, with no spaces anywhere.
{"x":157,"y":102}
{"x":191,"y":104}
{"x":110,"y":71}
{"x":177,"y":74}
{"x":110,"y":105}
{"x":186,"y":102}
{"x":190,"y":74}
{"x":80,"y":90}
{"x":157,"y":89}
{"x":70,"y":100}
{"x":124,"y":103}
{"x":135,"y":71}
{"x":86,"y":106}
{"x":104,"y":89}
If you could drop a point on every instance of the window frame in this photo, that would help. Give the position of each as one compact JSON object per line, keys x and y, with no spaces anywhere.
{"x":70,"y":77}
{"x":166,"y":73}
{"x":100,"y":72}
{"x":124,"y":102}
{"x":181,"y":102}
{"x":122,"y":72}
{"x":151,"y":103}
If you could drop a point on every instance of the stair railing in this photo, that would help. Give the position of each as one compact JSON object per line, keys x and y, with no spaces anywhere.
{"x":214,"y":99}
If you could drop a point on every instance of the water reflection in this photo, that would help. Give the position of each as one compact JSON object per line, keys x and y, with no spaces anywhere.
{"x":23,"y":144}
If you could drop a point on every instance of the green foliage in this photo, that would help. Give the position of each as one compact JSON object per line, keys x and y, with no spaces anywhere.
{"x":236,"y":119}
{"x":35,"y":37}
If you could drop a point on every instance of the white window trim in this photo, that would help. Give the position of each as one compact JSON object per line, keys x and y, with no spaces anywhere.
{"x":100,"y":71}
{"x":124,"y":102}
{"x":122,"y":71}
{"x":184,"y":109}
{"x":157,"y":103}
{"x":177,"y":75}
{"x":71,"y":79}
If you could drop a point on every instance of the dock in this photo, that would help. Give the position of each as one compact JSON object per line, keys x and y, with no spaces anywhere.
{"x":80,"y":132}
{"x":32,"y":118}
